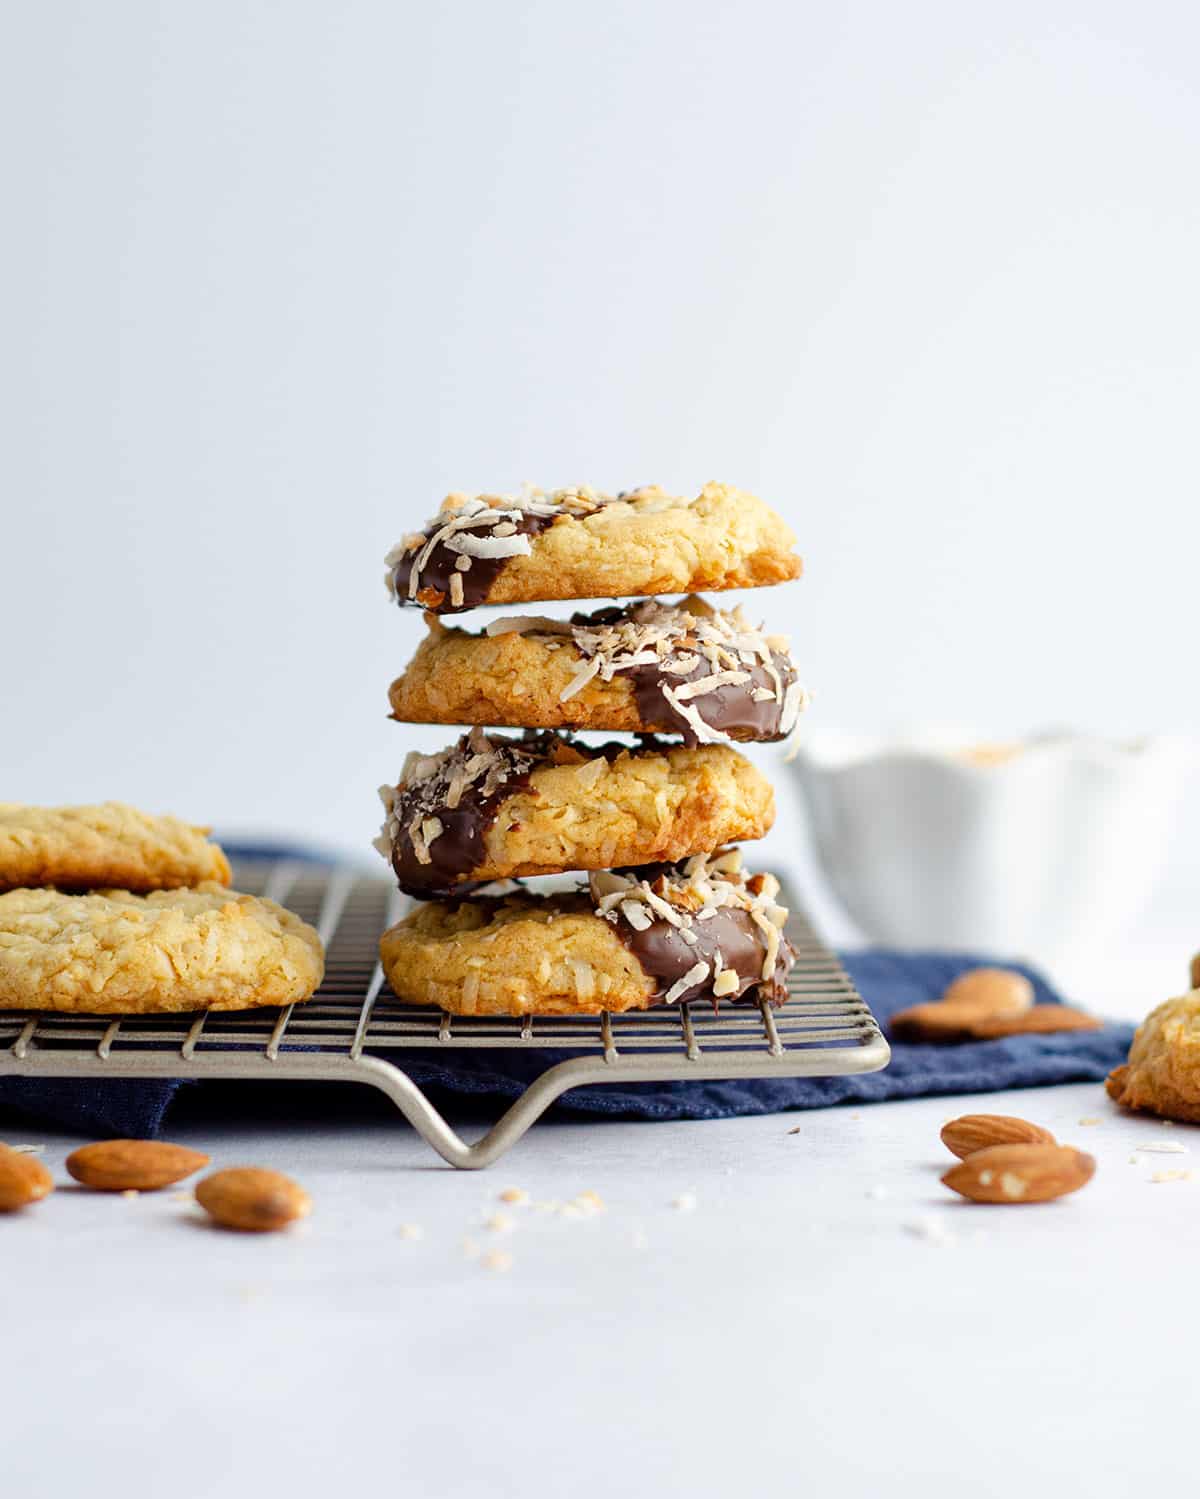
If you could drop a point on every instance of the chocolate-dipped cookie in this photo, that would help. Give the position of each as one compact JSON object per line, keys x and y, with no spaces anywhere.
{"x":493,"y":807}
{"x":708,"y":675}
{"x":581,"y":544}
{"x":624,"y":941}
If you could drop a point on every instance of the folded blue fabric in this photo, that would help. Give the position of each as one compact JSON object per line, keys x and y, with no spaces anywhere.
{"x":889,"y":981}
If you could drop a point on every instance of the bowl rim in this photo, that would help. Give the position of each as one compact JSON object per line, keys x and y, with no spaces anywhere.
{"x":835,"y":750}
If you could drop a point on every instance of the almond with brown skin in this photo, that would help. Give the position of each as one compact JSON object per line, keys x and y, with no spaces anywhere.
{"x":963,"y":1137}
{"x":1196,"y":971}
{"x":1020,"y":1173}
{"x":253,"y":1199}
{"x":1041,"y":1020}
{"x":933,"y":1022}
{"x":955,"y":1022}
{"x":133,"y":1165}
{"x":23,"y":1179}
{"x":991,"y":991}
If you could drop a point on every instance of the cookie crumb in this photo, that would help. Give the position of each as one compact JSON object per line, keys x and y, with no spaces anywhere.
{"x":1171,"y":1176}
{"x":411,"y":1231}
{"x":516,"y":1197}
{"x":497,"y":1259}
{"x":1089,"y":1121}
{"x":1162,"y":1147}
{"x":500,"y":1223}
{"x":130,"y":1192}
{"x":589,"y":1203}
{"x":932,"y":1230}
{"x":685,"y":1202}
{"x":795,"y":1130}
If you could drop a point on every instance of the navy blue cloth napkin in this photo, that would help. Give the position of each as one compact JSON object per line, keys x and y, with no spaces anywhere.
{"x":889,"y":981}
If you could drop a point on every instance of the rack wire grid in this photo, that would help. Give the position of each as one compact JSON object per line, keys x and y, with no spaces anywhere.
{"x":355,"y":1030}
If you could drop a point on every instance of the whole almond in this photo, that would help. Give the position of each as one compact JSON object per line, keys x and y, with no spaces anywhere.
{"x":1196,"y":971}
{"x":955,"y":1022}
{"x":253,"y":1199}
{"x":23,"y":1179}
{"x":963,"y":1137}
{"x":935,"y":1022}
{"x":991,"y":991}
{"x":1020,"y":1173}
{"x":1041,"y":1020}
{"x":133,"y":1165}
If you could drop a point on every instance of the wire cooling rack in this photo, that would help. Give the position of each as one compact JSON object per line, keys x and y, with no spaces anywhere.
{"x":355,"y":1030}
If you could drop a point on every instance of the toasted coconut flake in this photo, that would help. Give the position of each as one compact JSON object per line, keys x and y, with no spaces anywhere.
{"x":696,"y":974}
{"x":526,"y":624}
{"x":604,"y":882}
{"x":590,"y":771}
{"x":634,"y":913}
{"x":580,"y":680}
{"x":489,"y":546}
{"x":705,"y":685}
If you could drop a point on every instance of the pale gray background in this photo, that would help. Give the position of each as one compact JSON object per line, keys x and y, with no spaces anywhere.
{"x":274,"y":277}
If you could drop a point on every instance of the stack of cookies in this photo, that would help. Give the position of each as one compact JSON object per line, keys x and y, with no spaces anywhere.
{"x":108,"y":910}
{"x":661,"y":910}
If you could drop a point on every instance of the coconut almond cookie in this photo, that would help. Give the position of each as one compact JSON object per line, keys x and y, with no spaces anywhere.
{"x":581,"y":544}
{"x":706,"y":674}
{"x":493,"y":808}
{"x":629,"y":940}
{"x":111,"y":952}
{"x":83,"y":848}
{"x":1162,"y":1074}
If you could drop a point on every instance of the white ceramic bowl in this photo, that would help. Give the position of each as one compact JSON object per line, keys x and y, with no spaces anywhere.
{"x":1029,"y":850}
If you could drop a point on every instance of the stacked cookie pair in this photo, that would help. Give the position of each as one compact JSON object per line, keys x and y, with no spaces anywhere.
{"x":661,"y":909}
{"x":108,"y":910}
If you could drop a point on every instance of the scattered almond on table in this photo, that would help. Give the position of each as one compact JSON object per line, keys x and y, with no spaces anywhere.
{"x":1020,"y":1173}
{"x":963,"y":1137}
{"x":133,"y":1165}
{"x":252,"y":1199}
{"x":23,"y":1180}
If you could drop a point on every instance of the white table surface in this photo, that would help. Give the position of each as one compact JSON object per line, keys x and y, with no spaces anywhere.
{"x":827,"y":1319}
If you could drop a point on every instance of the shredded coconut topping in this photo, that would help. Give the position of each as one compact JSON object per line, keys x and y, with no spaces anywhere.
{"x":691,"y":893}
{"x":679,"y":641}
{"x":487,"y":526}
{"x":430,"y":784}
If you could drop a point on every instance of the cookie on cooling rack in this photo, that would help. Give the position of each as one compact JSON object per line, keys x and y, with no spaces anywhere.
{"x":707,"y":674}
{"x":580,"y":544}
{"x":82,"y":848}
{"x":626,"y":941}
{"x":1162,"y":1075}
{"x":493,"y":808}
{"x":111,"y":952}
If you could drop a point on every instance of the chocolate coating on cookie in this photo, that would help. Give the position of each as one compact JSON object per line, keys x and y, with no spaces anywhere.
{"x":452,"y":563}
{"x":730,"y":936}
{"x":444,"y":804}
{"x":439,"y":814}
{"x":702,"y":929}
{"x":705,"y":674}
